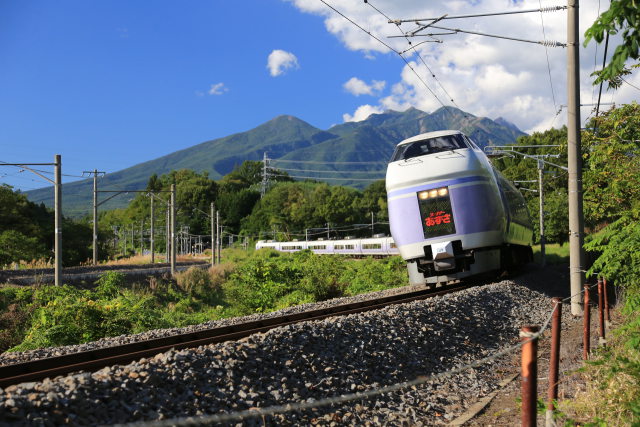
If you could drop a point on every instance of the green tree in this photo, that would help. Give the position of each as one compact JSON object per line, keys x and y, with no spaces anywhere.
{"x":624,"y":16}
{"x":612,"y":193}
{"x":15,"y":246}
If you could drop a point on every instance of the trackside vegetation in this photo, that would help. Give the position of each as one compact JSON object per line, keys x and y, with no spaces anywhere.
{"x":264,"y":281}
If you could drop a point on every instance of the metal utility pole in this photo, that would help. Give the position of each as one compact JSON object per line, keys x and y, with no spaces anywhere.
{"x":218,"y":236}
{"x":142,"y":238}
{"x":541,"y":198}
{"x":152,"y":241}
{"x":173,"y":229}
{"x":576,"y":218}
{"x":265,"y":178}
{"x":213,"y":235}
{"x":58,"y":219}
{"x":95,"y":173}
{"x":372,"y":231}
{"x":167,"y":253}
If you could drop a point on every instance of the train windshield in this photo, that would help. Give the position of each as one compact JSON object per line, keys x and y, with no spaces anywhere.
{"x":428,"y":146}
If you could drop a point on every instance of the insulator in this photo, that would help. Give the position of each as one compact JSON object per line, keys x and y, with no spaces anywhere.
{"x":552,"y":8}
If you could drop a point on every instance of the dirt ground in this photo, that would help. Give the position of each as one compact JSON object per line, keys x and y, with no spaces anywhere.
{"x":504,"y":408}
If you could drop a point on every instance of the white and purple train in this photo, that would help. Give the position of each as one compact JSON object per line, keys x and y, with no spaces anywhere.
{"x":452,"y":214}
{"x":376,"y":246}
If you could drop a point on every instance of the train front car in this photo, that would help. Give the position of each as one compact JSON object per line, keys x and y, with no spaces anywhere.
{"x":448,"y":216}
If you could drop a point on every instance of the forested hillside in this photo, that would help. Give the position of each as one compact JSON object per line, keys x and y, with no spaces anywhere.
{"x":295,"y":144}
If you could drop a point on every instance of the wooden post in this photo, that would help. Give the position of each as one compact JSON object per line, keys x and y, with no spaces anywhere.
{"x":606,"y":301}
{"x":529,"y":383}
{"x":586,"y":325}
{"x":554,"y":362}
{"x":602,"y":339}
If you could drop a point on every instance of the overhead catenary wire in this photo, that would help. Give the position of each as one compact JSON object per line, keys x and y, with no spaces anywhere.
{"x":546,"y":51}
{"x":330,"y":171}
{"x":328,"y":178}
{"x":412,"y":46}
{"x":391,"y":49}
{"x":480,"y":15}
{"x":326,"y":162}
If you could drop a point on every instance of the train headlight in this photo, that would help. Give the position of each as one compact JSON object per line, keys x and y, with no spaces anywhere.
{"x":432,"y":194}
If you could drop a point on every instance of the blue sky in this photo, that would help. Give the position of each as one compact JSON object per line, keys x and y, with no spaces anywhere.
{"x":111,"y":84}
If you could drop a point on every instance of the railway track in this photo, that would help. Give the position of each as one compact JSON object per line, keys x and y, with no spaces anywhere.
{"x":92,"y":360}
{"x":72,"y":275}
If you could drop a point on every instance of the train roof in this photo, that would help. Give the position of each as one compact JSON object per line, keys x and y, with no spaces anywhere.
{"x":429,"y":135}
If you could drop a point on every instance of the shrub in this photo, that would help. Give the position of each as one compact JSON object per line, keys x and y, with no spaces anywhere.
{"x":109,"y":284}
{"x":370,"y":275}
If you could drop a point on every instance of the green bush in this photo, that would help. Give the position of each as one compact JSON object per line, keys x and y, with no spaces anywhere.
{"x":109,"y":284}
{"x":65,"y":315}
{"x":370,"y":275}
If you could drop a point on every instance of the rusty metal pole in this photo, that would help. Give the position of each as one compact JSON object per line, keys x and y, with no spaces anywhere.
{"x":586,"y":325}
{"x":555,"y":359}
{"x":606,"y":301}
{"x":602,"y":339}
{"x":529,"y":382}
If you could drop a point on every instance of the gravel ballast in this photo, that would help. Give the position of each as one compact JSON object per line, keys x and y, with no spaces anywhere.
{"x":302,"y":363}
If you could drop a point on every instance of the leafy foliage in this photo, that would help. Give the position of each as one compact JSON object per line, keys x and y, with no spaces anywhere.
{"x":624,"y":16}
{"x":612,"y":193}
{"x":26,"y":232}
{"x":264,"y":281}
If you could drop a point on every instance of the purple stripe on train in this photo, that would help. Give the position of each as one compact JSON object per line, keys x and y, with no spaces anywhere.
{"x":476,"y":208}
{"x":436,"y":185}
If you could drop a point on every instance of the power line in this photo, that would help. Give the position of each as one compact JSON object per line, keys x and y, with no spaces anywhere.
{"x":418,"y":53}
{"x":546,"y":51}
{"x":327,"y":162}
{"x":480,"y":15}
{"x":328,"y":178}
{"x":329,"y":171}
{"x":390,"y":48}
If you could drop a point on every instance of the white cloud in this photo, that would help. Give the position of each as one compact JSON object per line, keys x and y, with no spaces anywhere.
{"x":279,"y":61}
{"x":361,"y":113}
{"x":217,"y":89}
{"x":357,"y":87}
{"x":484,"y":76}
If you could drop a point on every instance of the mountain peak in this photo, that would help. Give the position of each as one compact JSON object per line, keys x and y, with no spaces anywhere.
{"x":287,"y":137}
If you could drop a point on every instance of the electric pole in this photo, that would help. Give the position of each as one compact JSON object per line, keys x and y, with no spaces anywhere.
{"x":58,"y":218}
{"x":541,"y":199}
{"x":173,"y":229}
{"x":372,"y":231}
{"x":213,"y":235}
{"x":576,"y":218}
{"x":167,"y":253}
{"x":265,"y":177}
{"x":152,"y":241}
{"x":95,"y":173}
{"x":218,"y":236}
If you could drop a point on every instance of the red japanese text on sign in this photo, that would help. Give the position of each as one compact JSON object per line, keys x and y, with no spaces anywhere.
{"x":437,"y":218}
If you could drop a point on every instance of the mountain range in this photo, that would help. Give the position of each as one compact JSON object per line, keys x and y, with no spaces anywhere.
{"x":352,"y":153}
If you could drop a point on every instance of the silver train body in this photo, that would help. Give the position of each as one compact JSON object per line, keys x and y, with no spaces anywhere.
{"x":452,"y":214}
{"x":377,"y":246}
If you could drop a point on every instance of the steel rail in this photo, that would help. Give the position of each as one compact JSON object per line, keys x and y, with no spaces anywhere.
{"x":92,"y":360}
